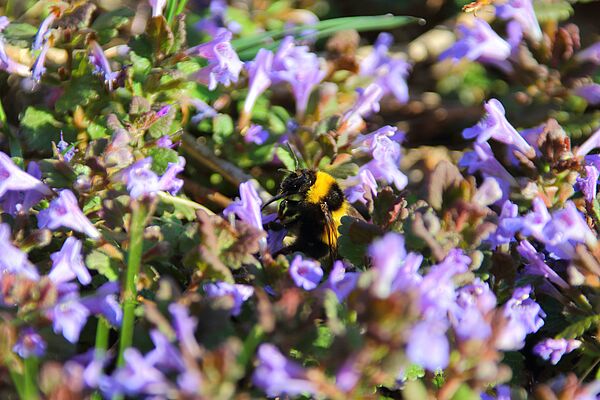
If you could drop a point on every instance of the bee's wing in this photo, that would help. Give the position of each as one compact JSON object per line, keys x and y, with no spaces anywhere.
{"x":330,"y":230}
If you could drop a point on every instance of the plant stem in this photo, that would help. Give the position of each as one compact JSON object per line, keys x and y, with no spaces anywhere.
{"x":18,"y":382}
{"x":30,"y":379}
{"x":102,"y":331}
{"x":136,"y":242}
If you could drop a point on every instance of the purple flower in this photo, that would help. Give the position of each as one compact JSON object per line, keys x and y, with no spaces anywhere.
{"x":169,"y":181}
{"x":473,"y":302}
{"x":67,"y":264}
{"x":68,"y":151}
{"x":306,"y":273}
{"x":366,"y":143}
{"x":13,"y":260}
{"x":259,"y":77}
{"x":362,"y":187}
{"x":189,"y":382}
{"x":590,"y":144}
{"x":523,"y":316}
{"x":385,"y":164}
{"x":138,"y":376}
{"x":105,"y":302}
{"x":479,"y":43}
{"x":495,"y":125}
{"x":185,"y":327}
{"x":239,"y":293}
{"x":590,"y":92}
{"x":589,"y":184}
{"x":203,"y":111}
{"x":142,"y":181}
{"x":42,"y":33}
{"x":69,"y":317}
{"x":534,"y":222}
{"x":522,"y":12}
{"x":101,"y":64}
{"x":428,"y":345}
{"x":347,"y":376}
{"x":64,"y":211}
{"x":488,"y":193}
{"x":508,"y":224}
{"x":4,"y":22}
{"x":29,"y":343}
{"x":164,"y":355}
{"x":565,"y":228}
{"x":165,"y":142}
{"x":482,"y":159}
{"x":394,"y":269}
{"x":20,"y":201}
{"x":9,"y":65}
{"x":590,"y":54}
{"x":14,"y":178}
{"x":157,"y":7}
{"x":247,"y":207}
{"x":554,"y":349}
{"x":341,"y":282}
{"x":537,"y":266}
{"x":224,"y":65}
{"x":277,"y":375}
{"x":378,"y":56}
{"x":256,"y":134}
{"x":502,"y":393}
{"x":300,"y":68}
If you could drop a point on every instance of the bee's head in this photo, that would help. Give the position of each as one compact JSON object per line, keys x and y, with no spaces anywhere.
{"x":297,"y":182}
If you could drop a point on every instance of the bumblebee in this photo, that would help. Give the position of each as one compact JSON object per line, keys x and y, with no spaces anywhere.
{"x":311,"y":208}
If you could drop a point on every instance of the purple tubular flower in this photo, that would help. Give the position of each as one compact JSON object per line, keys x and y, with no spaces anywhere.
{"x":140,"y":179}
{"x":537,"y":266}
{"x":224,"y":65}
{"x":522,"y":12}
{"x":14,"y":178}
{"x":239,"y":293}
{"x":164,"y":356}
{"x":203,"y":111}
{"x":277,"y":375}
{"x":65,"y":149}
{"x":428,"y":345}
{"x":495,"y":125}
{"x":42,"y":32}
{"x":64,"y":211}
{"x":473,"y":302}
{"x":20,"y":201}
{"x":168,"y":181}
{"x":482,"y":159}
{"x":137,"y":377}
{"x":341,"y":282}
{"x":247,"y":207}
{"x":386,"y":162}
{"x":29,"y":344}
{"x":306,"y":273}
{"x":566,"y":228}
{"x":508,"y":224}
{"x":189,"y":382}
{"x":185,"y":327}
{"x":165,"y":142}
{"x":256,"y":134}
{"x":259,"y":77}
{"x":69,"y":317}
{"x":157,"y":7}
{"x":9,"y":65}
{"x":589,"y":184}
{"x":13,"y":260}
{"x":534,"y":222}
{"x":523,"y":316}
{"x":67,"y":264}
{"x":378,"y":56}
{"x":100,"y":62}
{"x":554,"y":349}
{"x":366,"y":143}
{"x":590,"y":54}
{"x":488,"y":193}
{"x":394,"y":268}
{"x":590,"y":92}
{"x":364,"y":187}
{"x":4,"y":22}
{"x":105,"y":302}
{"x":479,"y":43}
{"x":590,"y":144}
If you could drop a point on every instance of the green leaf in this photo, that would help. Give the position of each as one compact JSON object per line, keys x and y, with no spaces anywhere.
{"x":19,"y":34}
{"x":39,"y":128}
{"x":101,"y":262}
{"x":415,"y":390}
{"x":108,"y":23}
{"x":223,"y":128}
{"x":414,"y":371}
{"x":464,"y":392}
{"x":162,"y":126}
{"x":556,"y":10}
{"x":161,"y":157}
{"x":161,"y":36}
{"x":79,"y":92}
{"x":578,"y":328}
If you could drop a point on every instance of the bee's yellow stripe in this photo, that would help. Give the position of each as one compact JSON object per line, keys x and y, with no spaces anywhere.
{"x":320,"y":188}
{"x":337,"y":220}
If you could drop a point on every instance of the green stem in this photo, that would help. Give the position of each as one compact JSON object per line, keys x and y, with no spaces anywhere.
{"x":180,"y":7}
{"x":170,"y":12}
{"x":18,"y":381}
{"x":134,"y":258}
{"x":30,"y":380}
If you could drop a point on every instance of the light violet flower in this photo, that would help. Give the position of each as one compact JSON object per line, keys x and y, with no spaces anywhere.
{"x":362,"y":188}
{"x":14,"y":178}
{"x":67,"y":264}
{"x":185,"y":328}
{"x":378,"y":56}
{"x":495,"y":125}
{"x":366,"y":104}
{"x":101,"y":64}
{"x":523,"y":316}
{"x":68,"y":151}
{"x":522,"y":12}
{"x":534,"y":222}
{"x":224,"y":65}
{"x":473,"y":303}
{"x":29,"y":344}
{"x":157,"y":7}
{"x":340,"y":281}
{"x":142,"y":181}
{"x":554,"y":349}
{"x":4,"y":22}
{"x":138,"y":376}
{"x":256,"y":134}
{"x":589,"y":184}
{"x":366,"y":143}
{"x":566,"y":228}
{"x":428,"y":345}
{"x":9,"y":65}
{"x":164,"y":355}
{"x":13,"y":260}
{"x":203,"y":111}
{"x":306,"y":273}
{"x":590,"y":54}
{"x":169,"y":181}
{"x":42,"y":33}
{"x":105,"y":302}
{"x":479,"y":43}
{"x":259,"y":78}
{"x":277,"y":375}
{"x":536,"y":265}
{"x":509,"y":224}
{"x":488,"y":193}
{"x":590,"y":144}
{"x":69,"y":317}
{"x":247,"y":207}
{"x":482,"y":159}
{"x":590,"y":92}
{"x":385,"y":164}
{"x":239,"y":293}
{"x":20,"y":201}
{"x":64,"y":211}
